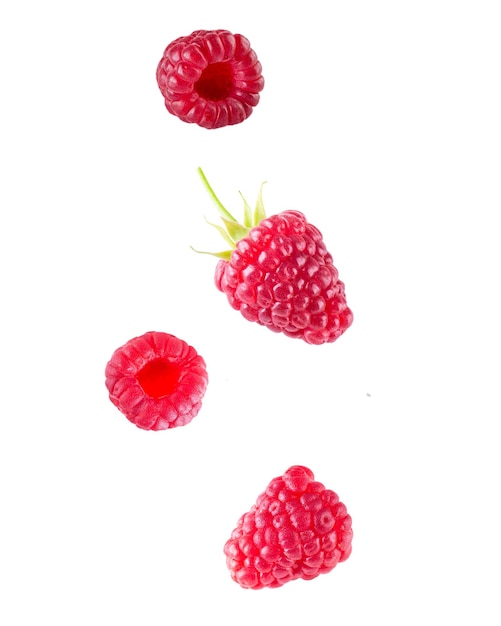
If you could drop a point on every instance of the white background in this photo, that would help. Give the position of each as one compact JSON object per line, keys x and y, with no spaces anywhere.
{"x":381,"y":122}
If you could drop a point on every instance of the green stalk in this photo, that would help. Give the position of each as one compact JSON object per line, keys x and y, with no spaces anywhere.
{"x":216,"y":200}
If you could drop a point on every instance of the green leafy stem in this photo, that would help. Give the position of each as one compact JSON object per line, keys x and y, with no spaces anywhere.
{"x":233,"y":230}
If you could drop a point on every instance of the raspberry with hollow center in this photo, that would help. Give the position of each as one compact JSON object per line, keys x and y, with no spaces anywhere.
{"x":211,"y":78}
{"x":296,"y":529}
{"x":157,"y":381}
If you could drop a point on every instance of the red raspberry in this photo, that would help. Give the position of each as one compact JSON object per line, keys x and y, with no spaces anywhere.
{"x":211,"y":78}
{"x":296,"y":529}
{"x":280,"y":274}
{"x":157,"y":380}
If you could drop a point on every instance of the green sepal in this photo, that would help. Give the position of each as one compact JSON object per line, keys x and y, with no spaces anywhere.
{"x":247,"y":212}
{"x":225,"y":254}
{"x":224,"y":234}
{"x":259,"y":212}
{"x":233,"y":230}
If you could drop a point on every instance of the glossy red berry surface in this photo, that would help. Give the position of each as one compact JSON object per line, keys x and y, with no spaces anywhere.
{"x":282,"y":277}
{"x":296,"y":529}
{"x":211,"y":78}
{"x":157,"y":381}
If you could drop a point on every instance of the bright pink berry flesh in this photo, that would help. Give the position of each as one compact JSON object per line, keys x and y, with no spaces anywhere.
{"x":157,"y":381}
{"x":211,"y":78}
{"x":296,"y":529}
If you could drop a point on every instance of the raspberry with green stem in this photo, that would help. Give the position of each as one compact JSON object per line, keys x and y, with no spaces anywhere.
{"x":279,"y":273}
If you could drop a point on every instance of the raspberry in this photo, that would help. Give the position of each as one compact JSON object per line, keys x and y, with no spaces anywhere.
{"x":296,"y":529}
{"x":211,"y":78}
{"x":157,"y":380}
{"x":280,"y":274}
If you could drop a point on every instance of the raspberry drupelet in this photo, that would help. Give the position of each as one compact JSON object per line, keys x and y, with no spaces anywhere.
{"x":280,"y":274}
{"x":211,"y":78}
{"x":157,"y":381}
{"x":296,"y":529}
